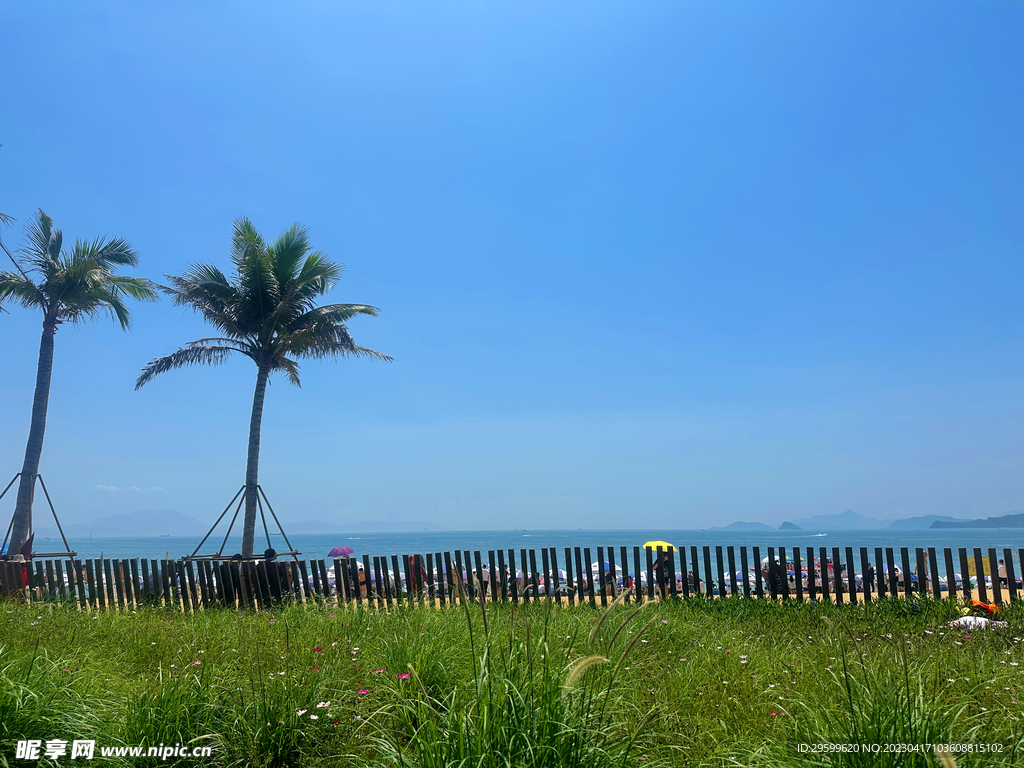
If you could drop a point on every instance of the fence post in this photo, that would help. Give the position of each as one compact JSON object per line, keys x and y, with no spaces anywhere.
{"x":581,"y":587}
{"x":993,"y":566}
{"x":908,"y":584}
{"x":851,"y":576}
{"x":934,"y":565}
{"x":784,"y":572}
{"x":650,"y":574}
{"x":979,"y":567}
{"x":720,"y":572}
{"x":672,"y":589}
{"x":439,"y":566}
{"x":812,"y":586}
{"x":624,"y":558}
{"x":823,"y":560}
{"x":951,"y":591}
{"x":921,"y":571}
{"x":745,"y":566}
{"x":1011,"y":576}
{"x":504,"y":575}
{"x":450,"y":576}
{"x":546,"y":568}
{"x":879,"y":572}
{"x":590,"y":577}
{"x":570,"y":579}
{"x":965,"y":573}
{"x":659,"y":574}
{"x":758,"y":576}
{"x":494,"y":577}
{"x":798,"y":582}
{"x":867,"y":584}
{"x":638,"y":571}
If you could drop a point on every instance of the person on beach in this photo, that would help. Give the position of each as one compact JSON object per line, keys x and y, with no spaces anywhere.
{"x":922,"y":573}
{"x":20,"y":559}
{"x":666,"y":573}
{"x":1002,"y":573}
{"x":274,"y":573}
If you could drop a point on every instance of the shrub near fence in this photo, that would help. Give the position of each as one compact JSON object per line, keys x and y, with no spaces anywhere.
{"x":439,"y":578}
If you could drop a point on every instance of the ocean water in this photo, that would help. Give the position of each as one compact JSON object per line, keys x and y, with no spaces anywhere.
{"x":318,"y":545}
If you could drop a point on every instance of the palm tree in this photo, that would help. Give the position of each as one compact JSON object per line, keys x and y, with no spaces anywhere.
{"x":69,"y":287}
{"x":268,"y":313}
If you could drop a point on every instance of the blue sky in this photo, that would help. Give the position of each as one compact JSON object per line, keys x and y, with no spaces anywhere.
{"x":664,"y":263}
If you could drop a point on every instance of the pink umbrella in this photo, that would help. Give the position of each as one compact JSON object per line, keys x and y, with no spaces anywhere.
{"x":340,"y":552}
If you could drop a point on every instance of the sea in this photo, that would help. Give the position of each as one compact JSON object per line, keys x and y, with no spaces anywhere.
{"x":398,"y":543}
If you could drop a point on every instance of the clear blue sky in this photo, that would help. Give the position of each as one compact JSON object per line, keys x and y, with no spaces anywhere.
{"x":638,"y":263}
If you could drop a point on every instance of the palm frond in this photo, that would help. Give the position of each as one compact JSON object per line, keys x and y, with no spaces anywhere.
{"x":291,"y":369}
{"x":335,"y":313}
{"x":21,"y":289}
{"x":193,"y":353}
{"x":116,"y":252}
{"x":244,"y":240}
{"x":38,"y":232}
{"x":287,"y":253}
{"x":329,"y":340}
{"x":318,"y":277}
{"x":206,"y":290}
{"x":105,"y":298}
{"x":138,"y":288}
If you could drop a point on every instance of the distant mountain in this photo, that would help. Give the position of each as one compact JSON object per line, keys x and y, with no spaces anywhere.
{"x":846,"y":521}
{"x":788,"y":526}
{"x":362,"y":526}
{"x":919,"y":523}
{"x":1010,"y":520}
{"x":741,"y":526}
{"x":147,"y":522}
{"x":154,"y":522}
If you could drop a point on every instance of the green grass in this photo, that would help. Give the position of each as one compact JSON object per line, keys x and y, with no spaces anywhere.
{"x":700,"y":682}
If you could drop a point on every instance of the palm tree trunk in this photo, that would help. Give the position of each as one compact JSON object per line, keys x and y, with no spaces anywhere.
{"x":34,"y":449}
{"x":253,"y":461}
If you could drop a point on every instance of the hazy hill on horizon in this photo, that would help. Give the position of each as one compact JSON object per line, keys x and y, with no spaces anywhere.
{"x":157,"y":522}
{"x":739,"y":525}
{"x":1011,"y":519}
{"x":851,"y":521}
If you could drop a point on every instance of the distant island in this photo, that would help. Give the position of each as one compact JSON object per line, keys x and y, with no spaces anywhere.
{"x":1012,"y":520}
{"x":851,"y":521}
{"x":742,"y":526}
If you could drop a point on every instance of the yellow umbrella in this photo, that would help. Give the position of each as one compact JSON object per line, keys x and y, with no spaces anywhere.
{"x":663,"y":544}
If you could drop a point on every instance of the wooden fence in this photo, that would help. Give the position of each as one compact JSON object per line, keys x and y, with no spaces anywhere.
{"x":443,"y":578}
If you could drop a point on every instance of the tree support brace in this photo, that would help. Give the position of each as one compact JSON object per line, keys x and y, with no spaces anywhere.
{"x":68,"y":552}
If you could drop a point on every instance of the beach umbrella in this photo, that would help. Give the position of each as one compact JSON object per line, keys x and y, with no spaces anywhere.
{"x":663,"y":544}
{"x":340,"y":552}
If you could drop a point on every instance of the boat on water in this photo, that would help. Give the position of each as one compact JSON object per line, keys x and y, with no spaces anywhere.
{"x":164,"y":535}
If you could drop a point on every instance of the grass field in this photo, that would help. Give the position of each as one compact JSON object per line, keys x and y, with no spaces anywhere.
{"x":700,"y":682}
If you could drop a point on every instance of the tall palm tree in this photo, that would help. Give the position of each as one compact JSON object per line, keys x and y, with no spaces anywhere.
{"x":268,"y":313}
{"x":69,"y":287}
